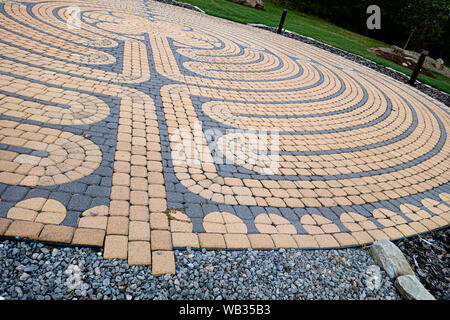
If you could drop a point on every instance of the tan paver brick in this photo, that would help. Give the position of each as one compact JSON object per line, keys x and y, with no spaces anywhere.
{"x":157,"y":205}
{"x":237,"y":241}
{"x":377,"y":234}
{"x":261,"y":241}
{"x":24,"y":229}
{"x":139,"y":253}
{"x":92,"y":237}
{"x":119,"y":208}
{"x":117,"y":225}
{"x":345,"y":239}
{"x":326,"y":241}
{"x":139,"y":213}
{"x":55,"y":233}
{"x":116,"y":247}
{"x":139,"y":231}
{"x":211,"y":240}
{"x":96,"y":222}
{"x":284,"y":241}
{"x":163,"y":263}
{"x":185,"y":239}
{"x":305,"y":241}
{"x":4,"y":224}
{"x":161,"y":240}
{"x":159,"y":221}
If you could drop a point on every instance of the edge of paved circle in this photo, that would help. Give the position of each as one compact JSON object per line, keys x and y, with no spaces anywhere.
{"x":70,"y":245}
{"x":50,"y":243}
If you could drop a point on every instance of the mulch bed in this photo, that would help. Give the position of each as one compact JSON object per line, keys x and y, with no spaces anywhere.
{"x":402,"y":61}
{"x":428,"y":255}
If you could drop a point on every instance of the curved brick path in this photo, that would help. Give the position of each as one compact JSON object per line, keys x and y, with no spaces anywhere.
{"x":143,"y":127}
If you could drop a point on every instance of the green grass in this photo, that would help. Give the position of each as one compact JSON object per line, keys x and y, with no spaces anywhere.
{"x":313,"y":27}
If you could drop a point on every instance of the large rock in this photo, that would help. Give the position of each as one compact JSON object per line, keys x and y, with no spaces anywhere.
{"x":439,"y":64}
{"x":257,"y":4}
{"x":390,"y":258}
{"x":410,"y":288}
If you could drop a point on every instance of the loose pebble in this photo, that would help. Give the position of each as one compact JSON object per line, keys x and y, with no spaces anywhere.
{"x":286,"y":274}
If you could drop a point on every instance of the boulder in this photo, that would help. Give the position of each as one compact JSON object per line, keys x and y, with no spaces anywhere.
{"x":390,"y":258}
{"x":411,"y":289}
{"x":397,"y":50}
{"x":439,"y":63}
{"x":257,"y":4}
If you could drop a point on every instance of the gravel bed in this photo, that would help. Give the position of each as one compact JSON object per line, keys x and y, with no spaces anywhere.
{"x":32,"y":270}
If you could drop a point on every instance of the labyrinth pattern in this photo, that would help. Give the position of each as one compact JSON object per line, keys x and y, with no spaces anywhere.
{"x":143,"y":127}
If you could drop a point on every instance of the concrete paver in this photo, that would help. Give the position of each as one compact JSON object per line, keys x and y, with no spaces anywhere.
{"x":143,"y":129}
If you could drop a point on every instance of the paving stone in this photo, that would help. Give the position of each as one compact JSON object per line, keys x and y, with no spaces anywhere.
{"x":261,"y":241}
{"x":119,"y":208}
{"x":139,"y":231}
{"x":24,"y":229}
{"x":161,"y":240}
{"x":139,"y":213}
{"x":74,"y":187}
{"x":211,"y":240}
{"x":237,"y":241}
{"x":139,"y":253}
{"x":305,"y":241}
{"x":345,"y":239}
{"x":185,"y":239}
{"x":326,"y":241}
{"x":362,"y":237}
{"x":159,"y":221}
{"x":58,"y":234}
{"x":4,"y":224}
{"x":14,"y":193}
{"x":116,"y":247}
{"x":18,"y":213}
{"x":79,"y":202}
{"x":91,"y":237}
{"x":97,"y":222}
{"x":117,"y":225}
{"x":284,"y":241}
{"x":163,"y":262}
{"x":98,"y":191}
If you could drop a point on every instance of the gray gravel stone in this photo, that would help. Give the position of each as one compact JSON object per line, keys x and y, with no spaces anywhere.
{"x":288,"y":274}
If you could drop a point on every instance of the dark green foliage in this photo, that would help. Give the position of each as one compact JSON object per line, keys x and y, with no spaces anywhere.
{"x":426,"y":21}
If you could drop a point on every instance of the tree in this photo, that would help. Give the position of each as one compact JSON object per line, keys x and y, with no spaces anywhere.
{"x":426,"y":21}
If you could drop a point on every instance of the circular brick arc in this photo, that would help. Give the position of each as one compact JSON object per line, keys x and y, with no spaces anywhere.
{"x":165,"y":119}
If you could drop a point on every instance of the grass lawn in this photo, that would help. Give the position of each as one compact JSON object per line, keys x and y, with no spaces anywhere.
{"x":313,"y":27}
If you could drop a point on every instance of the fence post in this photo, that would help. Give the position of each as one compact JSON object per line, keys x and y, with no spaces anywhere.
{"x":283,"y":16}
{"x":419,"y":64}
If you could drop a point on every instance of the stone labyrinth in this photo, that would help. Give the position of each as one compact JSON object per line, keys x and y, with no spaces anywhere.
{"x":143,"y":127}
